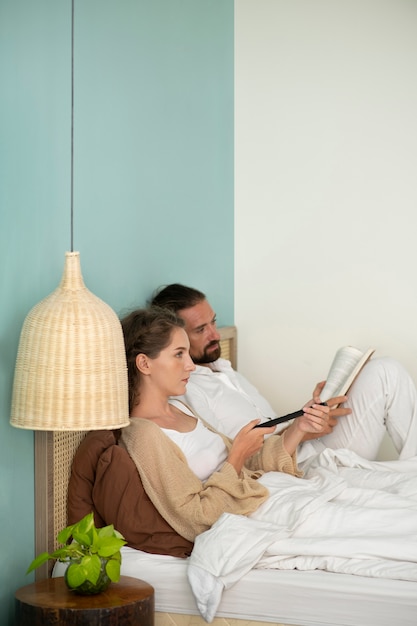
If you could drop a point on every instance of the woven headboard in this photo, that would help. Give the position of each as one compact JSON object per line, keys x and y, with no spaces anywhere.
{"x":54,"y":452}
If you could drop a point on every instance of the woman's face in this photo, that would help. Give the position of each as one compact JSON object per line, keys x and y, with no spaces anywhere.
{"x":171,"y":370}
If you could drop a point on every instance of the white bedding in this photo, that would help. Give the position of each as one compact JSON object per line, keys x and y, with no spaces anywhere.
{"x":348,"y":516}
{"x":304,"y":598}
{"x":314,"y":598}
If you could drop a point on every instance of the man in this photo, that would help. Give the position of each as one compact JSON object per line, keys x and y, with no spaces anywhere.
{"x":383,"y":397}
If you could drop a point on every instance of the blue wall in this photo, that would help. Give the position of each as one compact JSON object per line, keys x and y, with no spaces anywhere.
{"x":153,"y":180}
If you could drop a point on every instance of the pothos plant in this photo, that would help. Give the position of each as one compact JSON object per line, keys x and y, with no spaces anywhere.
{"x":93,"y":555}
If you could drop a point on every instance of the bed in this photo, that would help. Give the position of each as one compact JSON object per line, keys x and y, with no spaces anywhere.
{"x":262,"y":596}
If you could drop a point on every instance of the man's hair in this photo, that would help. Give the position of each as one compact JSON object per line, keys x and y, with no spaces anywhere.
{"x":176,"y":297}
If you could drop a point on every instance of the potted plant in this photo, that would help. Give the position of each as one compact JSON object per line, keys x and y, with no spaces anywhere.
{"x":93,"y":555}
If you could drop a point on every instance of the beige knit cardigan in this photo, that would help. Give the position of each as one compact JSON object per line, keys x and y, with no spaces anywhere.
{"x":189,"y":505}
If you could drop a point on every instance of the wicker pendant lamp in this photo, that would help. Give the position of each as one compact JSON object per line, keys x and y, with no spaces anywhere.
{"x":71,"y":371}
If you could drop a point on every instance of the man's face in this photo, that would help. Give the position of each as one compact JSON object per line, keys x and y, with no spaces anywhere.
{"x":200,"y":325}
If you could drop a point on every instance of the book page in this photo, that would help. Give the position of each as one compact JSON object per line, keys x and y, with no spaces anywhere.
{"x":347,"y":363}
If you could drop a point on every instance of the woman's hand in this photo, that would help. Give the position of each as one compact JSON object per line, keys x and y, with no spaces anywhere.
{"x":247,"y":442}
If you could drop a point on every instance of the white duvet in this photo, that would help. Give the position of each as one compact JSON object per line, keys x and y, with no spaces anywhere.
{"x":346,"y":515}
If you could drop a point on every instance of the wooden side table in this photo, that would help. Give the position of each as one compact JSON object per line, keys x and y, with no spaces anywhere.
{"x":50,"y":602}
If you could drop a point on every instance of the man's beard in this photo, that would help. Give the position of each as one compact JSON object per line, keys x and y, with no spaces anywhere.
{"x":208,"y":356}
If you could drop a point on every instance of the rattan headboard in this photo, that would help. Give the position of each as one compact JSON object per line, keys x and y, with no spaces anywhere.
{"x":54,"y":452}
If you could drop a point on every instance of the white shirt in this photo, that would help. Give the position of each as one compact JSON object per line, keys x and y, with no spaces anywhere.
{"x":227,"y":401}
{"x":224,"y":398}
{"x":383,"y":397}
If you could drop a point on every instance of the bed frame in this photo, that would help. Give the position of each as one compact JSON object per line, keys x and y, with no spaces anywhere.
{"x":54,"y":452}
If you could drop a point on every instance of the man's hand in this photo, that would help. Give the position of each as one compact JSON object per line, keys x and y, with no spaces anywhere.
{"x":327,"y":429}
{"x":312,"y":424}
{"x":336,"y":411}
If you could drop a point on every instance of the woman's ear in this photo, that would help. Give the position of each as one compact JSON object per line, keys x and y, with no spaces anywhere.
{"x":142,"y":363}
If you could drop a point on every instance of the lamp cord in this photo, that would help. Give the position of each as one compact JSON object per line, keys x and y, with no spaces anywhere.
{"x":72,"y":126}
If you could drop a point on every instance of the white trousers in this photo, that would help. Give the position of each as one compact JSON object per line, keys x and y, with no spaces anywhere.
{"x":383,"y":398}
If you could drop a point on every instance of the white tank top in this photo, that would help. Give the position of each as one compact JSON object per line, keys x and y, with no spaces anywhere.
{"x":204,"y":450}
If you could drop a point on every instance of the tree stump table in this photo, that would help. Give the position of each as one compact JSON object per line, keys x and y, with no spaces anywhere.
{"x":50,"y":602}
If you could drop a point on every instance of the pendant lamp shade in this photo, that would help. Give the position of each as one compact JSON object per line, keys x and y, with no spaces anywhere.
{"x":71,"y":371}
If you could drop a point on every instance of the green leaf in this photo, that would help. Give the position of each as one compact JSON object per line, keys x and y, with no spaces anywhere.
{"x":113,"y":570}
{"x":109,"y":531}
{"x":119,"y":535}
{"x":75,"y":575}
{"x":65,"y":534}
{"x":40,"y":560}
{"x":92,"y":568}
{"x":72,"y":551}
{"x":109,"y":546}
{"x":84,"y":539}
{"x":85,"y":525}
{"x":106,"y":531}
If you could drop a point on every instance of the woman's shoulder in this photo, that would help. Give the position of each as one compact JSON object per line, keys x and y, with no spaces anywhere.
{"x":140,"y":427}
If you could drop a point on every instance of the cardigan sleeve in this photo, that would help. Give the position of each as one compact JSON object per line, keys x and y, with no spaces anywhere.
{"x":273,"y":457}
{"x":187,"y":504}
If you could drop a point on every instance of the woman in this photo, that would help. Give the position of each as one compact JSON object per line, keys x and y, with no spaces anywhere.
{"x":192,"y":473}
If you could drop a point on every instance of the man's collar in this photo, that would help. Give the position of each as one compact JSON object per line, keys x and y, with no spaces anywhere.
{"x":218,"y":365}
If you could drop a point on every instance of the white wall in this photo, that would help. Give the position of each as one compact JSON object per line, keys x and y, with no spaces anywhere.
{"x":325,"y":186}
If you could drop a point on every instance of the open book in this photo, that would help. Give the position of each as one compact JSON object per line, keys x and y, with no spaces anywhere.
{"x":346,"y":365}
